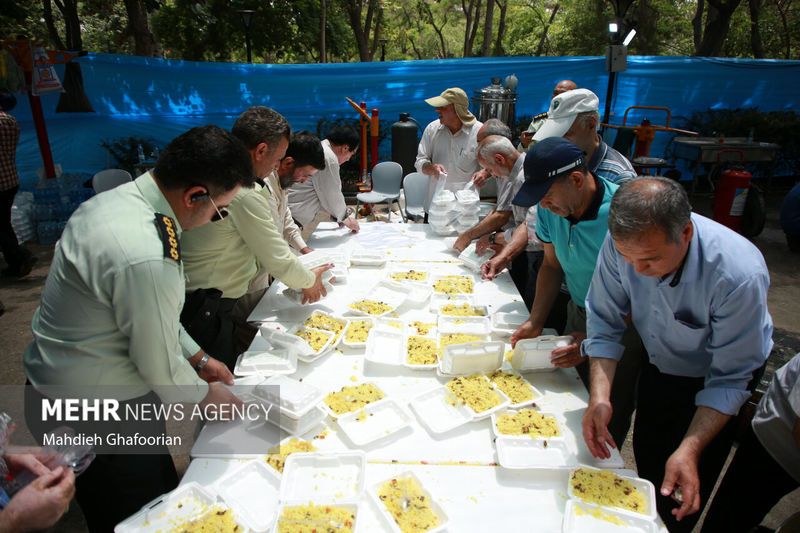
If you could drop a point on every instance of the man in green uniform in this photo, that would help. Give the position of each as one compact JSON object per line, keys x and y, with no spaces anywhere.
{"x":526,"y":137}
{"x":109,"y":311}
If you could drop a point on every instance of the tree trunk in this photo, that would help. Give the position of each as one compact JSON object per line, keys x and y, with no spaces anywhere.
{"x":501,"y":29}
{"x":646,"y":32}
{"x":782,"y":8}
{"x":697,"y":24}
{"x":540,"y":47}
{"x":323,"y":54}
{"x":75,"y":99}
{"x":472,"y":14}
{"x":755,"y":32}
{"x":145,"y":42}
{"x":718,"y":22}
{"x":487,"y":29}
{"x":361,"y":31}
{"x":425,"y":12}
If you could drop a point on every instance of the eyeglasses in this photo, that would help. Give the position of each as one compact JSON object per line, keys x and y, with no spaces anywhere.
{"x":221,"y":213}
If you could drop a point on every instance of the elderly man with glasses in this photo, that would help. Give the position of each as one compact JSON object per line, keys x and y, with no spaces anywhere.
{"x":223,"y":259}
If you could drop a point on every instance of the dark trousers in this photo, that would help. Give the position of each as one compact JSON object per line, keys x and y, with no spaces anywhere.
{"x":206,"y":317}
{"x":13,"y":253}
{"x":115,"y":485}
{"x":665,"y":409}
{"x":752,"y":485}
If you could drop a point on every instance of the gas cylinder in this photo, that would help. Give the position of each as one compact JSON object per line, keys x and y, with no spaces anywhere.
{"x":405,"y":142}
{"x":730,"y":195}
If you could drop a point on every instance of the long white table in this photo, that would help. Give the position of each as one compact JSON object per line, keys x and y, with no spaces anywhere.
{"x":460,"y":467}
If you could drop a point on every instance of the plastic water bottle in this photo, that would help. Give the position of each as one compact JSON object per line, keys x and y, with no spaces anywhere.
{"x":140,"y":151}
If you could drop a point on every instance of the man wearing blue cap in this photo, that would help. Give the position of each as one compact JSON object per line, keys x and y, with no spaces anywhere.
{"x":572,"y":223}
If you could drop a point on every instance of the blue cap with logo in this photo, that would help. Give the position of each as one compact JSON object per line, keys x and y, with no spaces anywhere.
{"x":545,"y":162}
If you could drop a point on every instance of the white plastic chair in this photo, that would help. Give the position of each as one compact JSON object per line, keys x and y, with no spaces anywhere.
{"x":415,"y":187}
{"x":110,"y":178}
{"x":386,"y":179}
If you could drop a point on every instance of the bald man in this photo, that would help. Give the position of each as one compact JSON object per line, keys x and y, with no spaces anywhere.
{"x":526,"y":137}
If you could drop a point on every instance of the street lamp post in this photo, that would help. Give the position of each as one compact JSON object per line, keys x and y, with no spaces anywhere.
{"x":247,"y":18}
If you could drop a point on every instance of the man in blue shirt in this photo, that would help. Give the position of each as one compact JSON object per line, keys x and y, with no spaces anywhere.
{"x":697,"y":293}
{"x":572,"y":225}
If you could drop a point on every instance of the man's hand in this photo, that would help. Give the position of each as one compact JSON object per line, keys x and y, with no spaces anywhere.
{"x":569,"y":356}
{"x":483,"y":244}
{"x":462,"y":242}
{"x":681,"y":471}
{"x":33,"y":461}
{"x":41,"y":503}
{"x":481,"y":177}
{"x":525,"y":331}
{"x":525,"y":138}
{"x":433,"y":169}
{"x":317,"y":290}
{"x":595,"y":428}
{"x":306,"y":250}
{"x":493,"y":267}
{"x":351,"y":223}
{"x":216,"y":370}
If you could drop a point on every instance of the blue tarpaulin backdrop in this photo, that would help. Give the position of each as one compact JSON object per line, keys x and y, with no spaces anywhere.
{"x":147,"y":97}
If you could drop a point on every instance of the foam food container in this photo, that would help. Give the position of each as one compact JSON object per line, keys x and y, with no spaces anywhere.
{"x":387,"y":516}
{"x":642,"y":485}
{"x":534,"y":453}
{"x":472,"y":260}
{"x":437,"y":414}
{"x":412,"y":332}
{"x":352,"y":507}
{"x":578,"y":518}
{"x":537,"y":395}
{"x":507,"y":323}
{"x":295,"y":398}
{"x":317,"y":258}
{"x":561,"y":426}
{"x":473,"y":325}
{"x":265,"y":359}
{"x":297,"y":426}
{"x":357,"y":344}
{"x":469,"y":358}
{"x":381,"y":419}
{"x":401,"y":269}
{"x":252,"y":492}
{"x":386,"y":346}
{"x":325,"y":477}
{"x":367,"y":257}
{"x":340,"y":319}
{"x":438,"y":300}
{"x":296,"y":295}
{"x":446,"y":277}
{"x":392,"y":294}
{"x":534,"y":354}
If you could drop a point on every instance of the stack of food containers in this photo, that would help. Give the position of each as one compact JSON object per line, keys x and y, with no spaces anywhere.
{"x":468,"y":205}
{"x":442,"y":212}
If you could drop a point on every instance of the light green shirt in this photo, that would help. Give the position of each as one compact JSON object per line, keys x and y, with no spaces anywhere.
{"x":110,"y":308}
{"x":225,"y":254}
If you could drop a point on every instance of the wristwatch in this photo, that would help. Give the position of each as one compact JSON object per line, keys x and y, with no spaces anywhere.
{"x":491,"y":238}
{"x":202,"y":363}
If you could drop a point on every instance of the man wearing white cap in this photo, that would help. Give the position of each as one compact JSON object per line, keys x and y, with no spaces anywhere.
{"x":448,"y":149}
{"x":574,"y":115}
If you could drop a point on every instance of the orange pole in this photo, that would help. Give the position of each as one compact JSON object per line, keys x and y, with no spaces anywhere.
{"x":363,"y":140}
{"x":374,"y":127}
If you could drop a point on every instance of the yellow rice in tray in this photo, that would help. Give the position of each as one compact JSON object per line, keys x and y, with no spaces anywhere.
{"x":422,"y":351}
{"x":353,"y":398}
{"x":411,"y":275}
{"x":278,"y":454}
{"x":474,"y":391}
{"x":409,"y":506}
{"x":517,"y":389}
{"x":357,"y":331}
{"x":371,"y":307}
{"x":455,"y":338}
{"x":217,"y":520}
{"x":314,"y":337}
{"x":319,"y":518}
{"x":460,"y":310}
{"x":454,"y":285}
{"x":528,"y":422}
{"x":328,"y":323}
{"x":422,"y":328}
{"x":605,"y":488}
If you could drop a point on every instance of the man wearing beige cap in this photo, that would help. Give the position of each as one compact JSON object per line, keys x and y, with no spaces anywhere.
{"x":574,"y":115}
{"x":448,"y":149}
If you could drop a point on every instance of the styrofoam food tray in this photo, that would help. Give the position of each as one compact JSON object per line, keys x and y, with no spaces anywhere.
{"x":432,"y":366}
{"x":550,"y":454}
{"x":537,"y":394}
{"x":317,"y":258}
{"x":264,"y":358}
{"x":471,"y":357}
{"x":333,"y":415}
{"x":383,"y":418}
{"x":443,"y":217}
{"x":504,"y":401}
{"x":385,"y":346}
{"x":559,"y":420}
{"x":309,"y":355}
{"x":447,"y":277}
{"x":390,"y":324}
{"x":367,"y":257}
{"x":396,"y":268}
{"x":472,"y":260}
{"x":642,"y":485}
{"x":467,"y":197}
{"x":475,"y":325}
{"x":340,"y":319}
{"x":297,"y":426}
{"x":186,"y":503}
{"x":534,"y":354}
{"x":357,"y":344}
{"x":418,"y":293}
{"x":439,"y":299}
{"x":340,"y":274}
{"x":244,"y":386}
{"x":443,"y":198}
{"x":295,"y":399}
{"x":437,"y":414}
{"x":578,"y":518}
{"x":252,"y":492}
{"x":387,"y":516}
{"x":329,"y":477}
{"x":390,"y":293}
{"x":352,"y":507}
{"x":507,"y":323}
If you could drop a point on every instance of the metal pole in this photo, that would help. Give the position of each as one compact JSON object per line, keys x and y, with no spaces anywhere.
{"x":247,"y":40}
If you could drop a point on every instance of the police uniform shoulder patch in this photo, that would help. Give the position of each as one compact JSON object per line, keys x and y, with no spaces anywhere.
{"x":540,"y":116}
{"x":169,"y":237}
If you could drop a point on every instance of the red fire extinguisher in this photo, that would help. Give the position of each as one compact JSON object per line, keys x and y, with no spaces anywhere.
{"x":731,"y":193}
